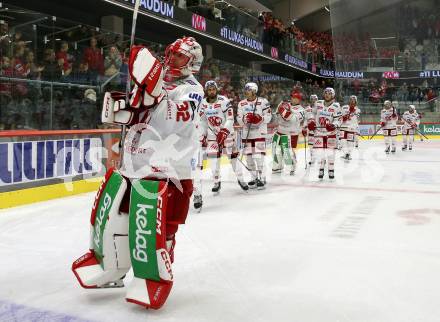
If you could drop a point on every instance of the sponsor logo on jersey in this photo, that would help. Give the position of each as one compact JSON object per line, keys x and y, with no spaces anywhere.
{"x":196,"y":97}
{"x":39,"y":160}
{"x":217,"y":105}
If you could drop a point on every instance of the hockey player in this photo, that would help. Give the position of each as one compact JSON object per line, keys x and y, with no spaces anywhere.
{"x":290,"y":118}
{"x":138,"y":209}
{"x":349,"y":126}
{"x":310,"y":114}
{"x":411,"y":121}
{"x":253,"y":114}
{"x":198,"y":171}
{"x":388,"y":120}
{"x":217,"y":123}
{"x":325,"y":124}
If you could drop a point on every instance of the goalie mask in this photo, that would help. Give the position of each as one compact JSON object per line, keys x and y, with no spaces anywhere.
{"x":183,"y":58}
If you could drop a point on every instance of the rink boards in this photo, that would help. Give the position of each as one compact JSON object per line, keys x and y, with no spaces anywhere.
{"x":42,"y":165}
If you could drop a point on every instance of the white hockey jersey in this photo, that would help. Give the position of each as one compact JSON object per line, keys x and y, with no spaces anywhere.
{"x":331,"y":113}
{"x":260,"y":106}
{"x":352,"y":123}
{"x":389,"y":117}
{"x":292,"y":126}
{"x":165,"y":145}
{"x":410,"y":118}
{"x":215,"y":116}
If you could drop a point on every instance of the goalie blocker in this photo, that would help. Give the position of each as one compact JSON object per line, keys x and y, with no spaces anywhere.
{"x":133,"y":225}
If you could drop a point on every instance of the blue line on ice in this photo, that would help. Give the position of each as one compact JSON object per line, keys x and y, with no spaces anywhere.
{"x":21,"y":313}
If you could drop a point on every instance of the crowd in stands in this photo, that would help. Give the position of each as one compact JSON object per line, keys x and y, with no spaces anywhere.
{"x":59,"y":85}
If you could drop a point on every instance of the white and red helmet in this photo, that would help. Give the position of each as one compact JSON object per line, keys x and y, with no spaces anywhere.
{"x":331,"y":91}
{"x":251,"y":87}
{"x":313,"y":98}
{"x":191,"y":49}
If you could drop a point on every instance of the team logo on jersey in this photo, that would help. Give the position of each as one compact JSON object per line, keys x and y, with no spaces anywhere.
{"x":331,"y":110}
{"x":215,"y":121}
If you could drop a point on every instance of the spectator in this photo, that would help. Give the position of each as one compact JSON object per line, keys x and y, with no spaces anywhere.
{"x":67,"y":58}
{"x":93,"y":57}
{"x":52,"y":70}
{"x":112,"y":64}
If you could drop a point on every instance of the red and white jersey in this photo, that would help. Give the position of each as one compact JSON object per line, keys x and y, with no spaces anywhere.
{"x":260,"y":106}
{"x":352,"y":123}
{"x":410,"y":118}
{"x":327,"y":114}
{"x":166,"y":144}
{"x":310,"y":111}
{"x":215,"y":116}
{"x":389,"y":117}
{"x":292,"y":125}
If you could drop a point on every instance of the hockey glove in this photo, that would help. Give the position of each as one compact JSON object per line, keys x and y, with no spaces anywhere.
{"x":330,"y":127}
{"x":285,"y":111}
{"x":311,"y":126}
{"x":382,"y":124}
{"x":222,"y":135}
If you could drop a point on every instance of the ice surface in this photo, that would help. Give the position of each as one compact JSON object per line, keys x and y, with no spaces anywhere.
{"x":365,"y":247}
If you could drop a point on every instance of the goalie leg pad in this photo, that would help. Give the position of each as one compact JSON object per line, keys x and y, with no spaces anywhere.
{"x":107,"y":261}
{"x":153,"y":277}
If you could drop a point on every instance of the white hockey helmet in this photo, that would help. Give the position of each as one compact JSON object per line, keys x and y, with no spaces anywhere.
{"x":188,"y":47}
{"x":412,"y":108}
{"x":211,"y":83}
{"x":251,"y":87}
{"x":387,"y":104}
{"x":353,"y":97}
{"x":331,"y":91}
{"x":313,"y":98}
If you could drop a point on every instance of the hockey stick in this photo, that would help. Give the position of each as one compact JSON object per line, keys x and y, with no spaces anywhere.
{"x":247,"y":136}
{"x":305,"y":151}
{"x":417,"y":130}
{"x":128,"y":84}
{"x":375,"y":133}
{"x":220,"y":147}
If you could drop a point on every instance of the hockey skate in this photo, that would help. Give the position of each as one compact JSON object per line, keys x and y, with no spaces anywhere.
{"x":410,"y":147}
{"x":292,"y":172}
{"x":252,"y":184}
{"x":404,"y":147}
{"x":387,"y":150}
{"x":346,"y":157}
{"x":321,"y":173}
{"x":276,"y":171}
{"x":260,"y":184}
{"x":216,"y":188}
{"x":393,"y":150}
{"x":331,"y":174}
{"x":243,"y":185}
{"x":198,"y":202}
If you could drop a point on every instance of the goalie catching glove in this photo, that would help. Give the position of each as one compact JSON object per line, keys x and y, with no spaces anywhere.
{"x":147,"y":72}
